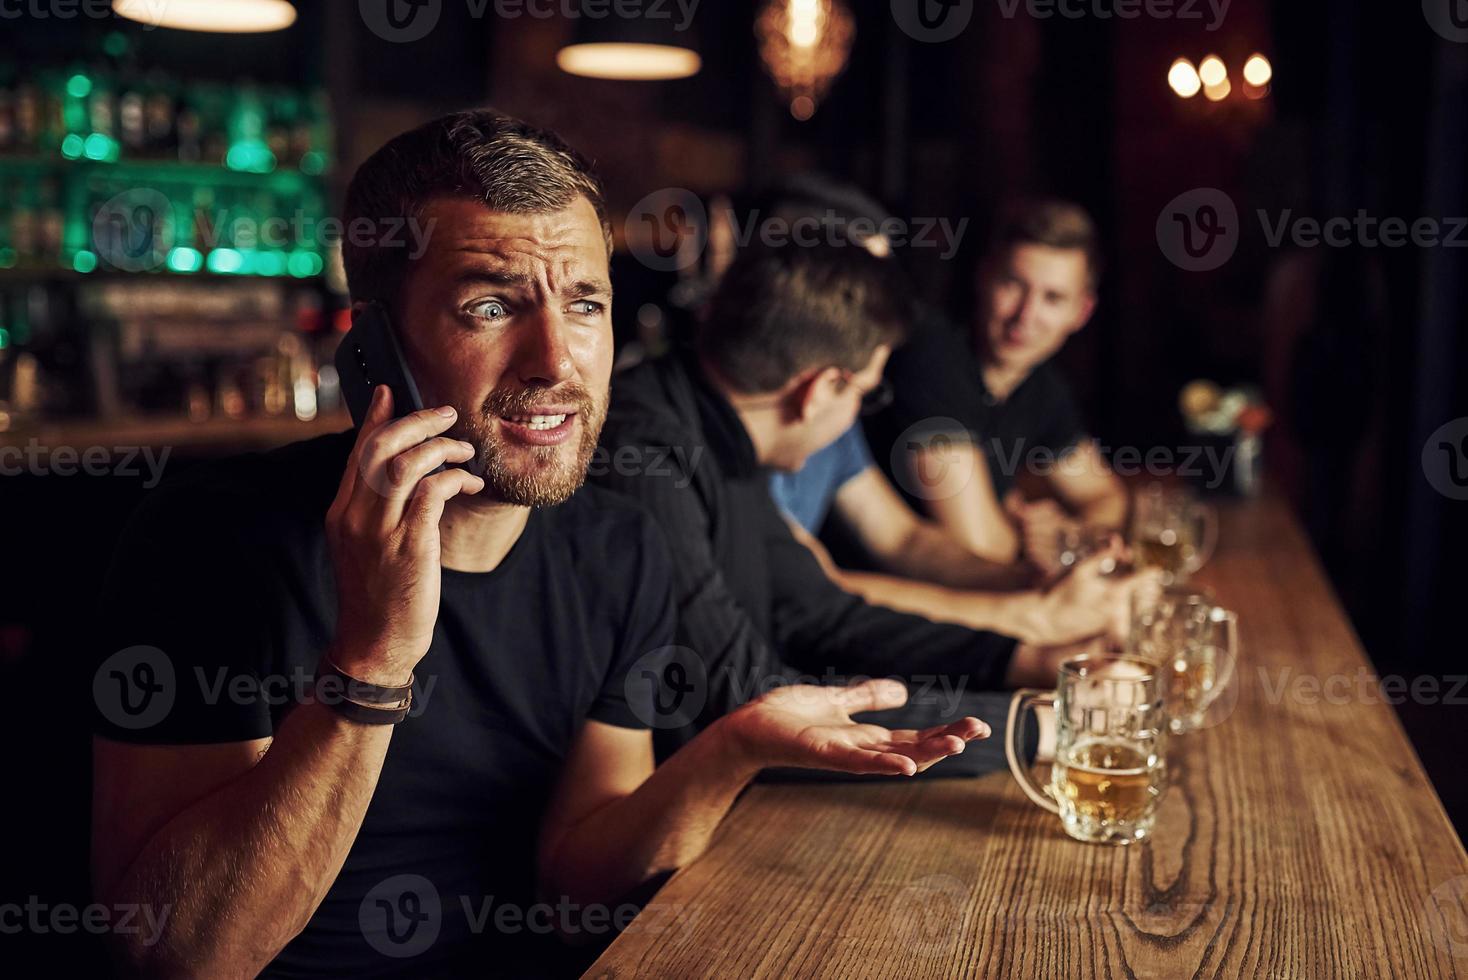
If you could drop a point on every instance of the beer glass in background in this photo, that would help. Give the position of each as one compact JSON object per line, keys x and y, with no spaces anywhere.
{"x":1109,"y":772}
{"x":1195,"y":644}
{"x":1172,"y":531}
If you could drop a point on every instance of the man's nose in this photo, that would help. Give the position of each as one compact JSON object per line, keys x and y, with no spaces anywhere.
{"x":1028,"y":306}
{"x":542,"y":355}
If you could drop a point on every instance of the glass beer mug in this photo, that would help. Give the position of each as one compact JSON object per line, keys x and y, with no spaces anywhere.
{"x":1193,"y":641}
{"x":1172,"y":531}
{"x":1109,"y":772}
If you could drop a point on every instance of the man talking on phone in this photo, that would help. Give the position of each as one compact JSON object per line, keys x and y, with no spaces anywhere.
{"x":477,"y":631}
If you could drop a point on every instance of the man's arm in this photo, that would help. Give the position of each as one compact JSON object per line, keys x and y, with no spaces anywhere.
{"x":1087,"y":485}
{"x":1084,"y":604}
{"x":909,"y":545}
{"x":239,"y":842}
{"x":236,"y":844}
{"x":615,"y":822}
{"x":826,"y":630}
{"x":959,"y":495}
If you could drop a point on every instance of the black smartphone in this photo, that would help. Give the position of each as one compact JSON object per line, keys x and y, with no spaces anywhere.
{"x":369,"y":355}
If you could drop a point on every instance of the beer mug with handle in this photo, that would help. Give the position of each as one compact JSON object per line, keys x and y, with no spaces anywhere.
{"x":1110,"y":769}
{"x":1193,"y":641}
{"x":1172,"y":531}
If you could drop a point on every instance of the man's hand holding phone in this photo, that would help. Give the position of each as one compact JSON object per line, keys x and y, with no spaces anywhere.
{"x":382,"y":530}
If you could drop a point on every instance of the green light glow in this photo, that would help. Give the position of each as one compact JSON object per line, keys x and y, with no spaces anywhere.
{"x":270,"y":264}
{"x":250,"y":156}
{"x":115,"y":44}
{"x":313,"y":162}
{"x":4,"y":338}
{"x":225,"y":260}
{"x":100,"y":147}
{"x":72,"y":146}
{"x":84,"y":261}
{"x":185,"y":259}
{"x":304,"y":265}
{"x":7,"y":258}
{"x":78,"y":86}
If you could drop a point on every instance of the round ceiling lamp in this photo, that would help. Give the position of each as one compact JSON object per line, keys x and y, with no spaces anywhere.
{"x":215,"y":16}
{"x":646,"y":49}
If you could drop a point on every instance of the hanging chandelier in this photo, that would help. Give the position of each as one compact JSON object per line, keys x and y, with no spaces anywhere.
{"x":804,"y":45}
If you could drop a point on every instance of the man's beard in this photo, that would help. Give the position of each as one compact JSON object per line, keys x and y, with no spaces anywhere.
{"x":532,"y":476}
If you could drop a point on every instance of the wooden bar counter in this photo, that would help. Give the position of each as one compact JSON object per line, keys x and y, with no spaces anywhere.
{"x":1298,"y":838}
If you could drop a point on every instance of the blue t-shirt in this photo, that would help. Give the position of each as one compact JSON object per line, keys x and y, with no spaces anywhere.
{"x":806,"y":494}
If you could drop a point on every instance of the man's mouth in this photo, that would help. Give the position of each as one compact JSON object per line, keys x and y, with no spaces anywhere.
{"x":539,"y":422}
{"x":547,"y":426}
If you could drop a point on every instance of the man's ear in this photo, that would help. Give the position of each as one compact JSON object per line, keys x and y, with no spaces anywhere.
{"x":809,"y":390}
{"x":1088,"y":306}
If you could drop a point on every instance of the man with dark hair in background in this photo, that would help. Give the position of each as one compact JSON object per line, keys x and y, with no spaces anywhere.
{"x":494,"y":632}
{"x":975,"y":407}
{"x":795,"y":339}
{"x":912,"y":562}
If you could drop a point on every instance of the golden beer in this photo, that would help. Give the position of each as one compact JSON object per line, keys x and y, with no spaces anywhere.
{"x":1109,"y":771}
{"x":1107,"y":788}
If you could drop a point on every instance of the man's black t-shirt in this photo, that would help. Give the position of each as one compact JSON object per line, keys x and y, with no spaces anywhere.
{"x":220,"y":601}
{"x":938,"y":390}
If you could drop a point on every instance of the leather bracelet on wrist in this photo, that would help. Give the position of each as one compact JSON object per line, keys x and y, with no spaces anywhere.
{"x":339,"y":684}
{"x":368,"y":714}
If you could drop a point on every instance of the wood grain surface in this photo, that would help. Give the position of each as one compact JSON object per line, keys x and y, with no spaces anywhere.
{"x":1299,"y":838}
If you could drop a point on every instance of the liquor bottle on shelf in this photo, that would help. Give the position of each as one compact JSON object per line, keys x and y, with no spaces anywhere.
{"x":7,"y":118}
{"x":159,"y":110}
{"x":27,"y":117}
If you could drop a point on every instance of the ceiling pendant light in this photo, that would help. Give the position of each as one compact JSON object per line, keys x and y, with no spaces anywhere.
{"x":804,"y":45}
{"x":217,"y":16}
{"x":631,"y":49}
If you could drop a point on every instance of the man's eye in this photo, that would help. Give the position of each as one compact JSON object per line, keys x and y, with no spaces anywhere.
{"x":490,"y":309}
{"x":587,"y":307}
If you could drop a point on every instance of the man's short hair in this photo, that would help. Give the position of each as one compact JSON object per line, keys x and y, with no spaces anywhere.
{"x":782,"y":310}
{"x":478,"y":154}
{"x":1053,"y":223}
